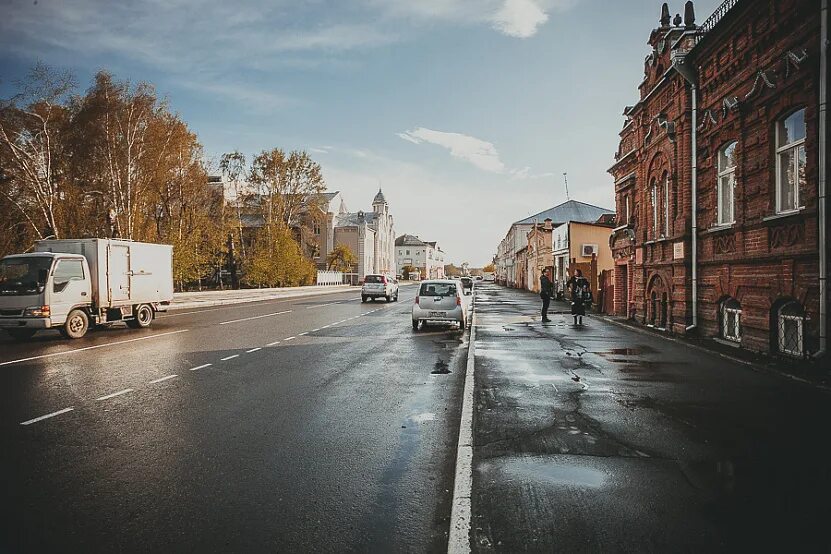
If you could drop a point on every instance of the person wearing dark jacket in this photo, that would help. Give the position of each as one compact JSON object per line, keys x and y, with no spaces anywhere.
{"x":546,"y":292}
{"x":581,"y":295}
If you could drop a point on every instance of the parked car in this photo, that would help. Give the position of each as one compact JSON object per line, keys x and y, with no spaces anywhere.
{"x":379,"y":286}
{"x":490,"y":277}
{"x":467,"y":283}
{"x":478,"y":277}
{"x":440,"y":301}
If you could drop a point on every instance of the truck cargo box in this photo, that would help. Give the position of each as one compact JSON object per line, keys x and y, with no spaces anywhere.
{"x":123,"y":272}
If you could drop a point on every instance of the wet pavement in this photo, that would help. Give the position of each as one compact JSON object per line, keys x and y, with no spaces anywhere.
{"x":604,"y":439}
{"x":316,"y":424}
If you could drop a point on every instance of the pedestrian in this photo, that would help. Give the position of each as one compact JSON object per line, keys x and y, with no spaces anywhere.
{"x":581,"y":295}
{"x":546,"y":290}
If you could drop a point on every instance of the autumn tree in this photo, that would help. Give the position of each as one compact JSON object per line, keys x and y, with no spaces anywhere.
{"x":341,"y":258}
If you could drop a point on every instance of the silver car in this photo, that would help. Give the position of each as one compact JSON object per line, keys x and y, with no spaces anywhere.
{"x":379,"y":286}
{"x":440,"y":301}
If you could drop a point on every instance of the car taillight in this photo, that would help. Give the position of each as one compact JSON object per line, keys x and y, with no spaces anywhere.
{"x":416,"y":299}
{"x":458,"y":300}
{"x":384,"y":280}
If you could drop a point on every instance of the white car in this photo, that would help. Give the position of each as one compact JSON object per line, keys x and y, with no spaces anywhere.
{"x":440,"y":301}
{"x":379,"y":286}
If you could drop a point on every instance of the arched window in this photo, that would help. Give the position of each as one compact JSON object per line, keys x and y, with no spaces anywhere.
{"x":653,"y":315}
{"x":731,"y":316}
{"x":791,"y":329}
{"x":665,"y":230}
{"x":726,"y":183}
{"x":655,"y":199}
{"x":790,"y":162}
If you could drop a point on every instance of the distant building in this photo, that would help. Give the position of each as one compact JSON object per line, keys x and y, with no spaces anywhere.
{"x":370,"y":236}
{"x":509,"y":271}
{"x":425,"y":256}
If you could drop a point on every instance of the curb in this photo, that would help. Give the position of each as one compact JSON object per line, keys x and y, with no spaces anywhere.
{"x":245,"y":300}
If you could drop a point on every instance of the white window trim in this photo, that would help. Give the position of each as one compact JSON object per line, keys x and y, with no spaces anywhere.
{"x":800,"y":351}
{"x":730,"y":174}
{"x":795,"y":145}
{"x":655,"y":219}
{"x":666,"y":208}
{"x":726,"y":312}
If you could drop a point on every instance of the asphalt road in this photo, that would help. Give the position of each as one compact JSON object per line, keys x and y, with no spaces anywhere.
{"x":313,"y":424}
{"x":606,"y":439}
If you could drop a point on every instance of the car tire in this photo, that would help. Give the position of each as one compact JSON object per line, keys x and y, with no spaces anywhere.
{"x":76,"y":326}
{"x":415,"y":325}
{"x":363,"y":299}
{"x":21,"y":334}
{"x":462,"y":324}
{"x":388,"y":298}
{"x":142,"y":317}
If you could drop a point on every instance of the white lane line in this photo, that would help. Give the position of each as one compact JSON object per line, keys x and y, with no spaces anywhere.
{"x":303,"y":334}
{"x":113,"y":395}
{"x":326,"y":326}
{"x":47,"y":416}
{"x":252,"y":350}
{"x":255,"y":317}
{"x":154,"y":381}
{"x":91,"y":347}
{"x":314,"y":330}
{"x":203,"y":366}
{"x":460,"y":513}
{"x":226,"y":358}
{"x":321,"y":305}
{"x":289,"y":338}
{"x":275,"y":343}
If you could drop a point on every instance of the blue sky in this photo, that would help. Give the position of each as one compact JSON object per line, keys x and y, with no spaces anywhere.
{"x":466,"y":112}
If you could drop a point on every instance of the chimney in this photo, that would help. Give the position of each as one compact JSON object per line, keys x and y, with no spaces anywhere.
{"x":665,"y":15}
{"x":689,"y":15}
{"x":676,"y":21}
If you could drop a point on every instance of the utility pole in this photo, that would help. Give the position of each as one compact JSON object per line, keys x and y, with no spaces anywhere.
{"x":565,"y":178}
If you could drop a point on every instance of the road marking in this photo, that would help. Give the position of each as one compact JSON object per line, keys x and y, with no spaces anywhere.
{"x":90,"y":347}
{"x":289,"y":338}
{"x":314,"y":330}
{"x":203,"y":366}
{"x":459,"y":540}
{"x":47,"y":416}
{"x":226,"y":358}
{"x":276,"y":342}
{"x":252,"y":350}
{"x":162,"y":379}
{"x":303,"y":334}
{"x":113,"y":395}
{"x":255,"y":317}
{"x":326,"y":326}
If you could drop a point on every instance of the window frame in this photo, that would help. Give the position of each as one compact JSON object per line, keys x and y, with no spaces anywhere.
{"x":795,"y":147}
{"x":728,"y":173}
{"x":665,"y":230}
{"x":655,"y":219}
{"x":726,"y":312}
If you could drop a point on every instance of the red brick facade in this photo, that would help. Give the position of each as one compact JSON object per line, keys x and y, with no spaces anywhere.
{"x":755,"y":63}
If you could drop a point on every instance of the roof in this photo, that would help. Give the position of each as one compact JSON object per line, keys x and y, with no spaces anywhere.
{"x":353,"y":219}
{"x":572,"y":210}
{"x":379,"y":198}
{"x":409,"y":240}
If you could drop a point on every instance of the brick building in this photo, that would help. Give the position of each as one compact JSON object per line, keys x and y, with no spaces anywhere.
{"x":731,"y":109}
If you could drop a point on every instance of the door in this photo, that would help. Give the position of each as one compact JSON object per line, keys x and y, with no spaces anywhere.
{"x":70,"y":288}
{"x":119,"y":273}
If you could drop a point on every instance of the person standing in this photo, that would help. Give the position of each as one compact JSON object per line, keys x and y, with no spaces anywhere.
{"x":546,"y":291}
{"x":581,"y":295}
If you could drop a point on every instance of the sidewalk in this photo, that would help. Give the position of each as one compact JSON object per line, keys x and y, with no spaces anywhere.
{"x":187,"y":300}
{"x":608,"y":438}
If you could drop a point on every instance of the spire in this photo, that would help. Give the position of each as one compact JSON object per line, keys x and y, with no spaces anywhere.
{"x":689,"y":15}
{"x":379,"y":198}
{"x":665,"y":15}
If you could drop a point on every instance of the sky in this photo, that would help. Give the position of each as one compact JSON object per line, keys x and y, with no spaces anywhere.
{"x":465,"y":112}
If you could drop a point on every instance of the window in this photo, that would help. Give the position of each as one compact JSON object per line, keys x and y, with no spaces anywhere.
{"x":731,"y":315}
{"x":408,"y":252}
{"x":317,"y":229}
{"x":726,"y":183}
{"x":790,"y":162}
{"x":655,"y":220}
{"x":628,"y":210}
{"x":791,"y":328}
{"x":437,"y":289}
{"x":66,"y":271}
{"x":665,"y":230}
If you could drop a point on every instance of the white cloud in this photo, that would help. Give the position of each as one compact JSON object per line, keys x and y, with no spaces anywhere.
{"x":480,"y":153}
{"x":519,"y":18}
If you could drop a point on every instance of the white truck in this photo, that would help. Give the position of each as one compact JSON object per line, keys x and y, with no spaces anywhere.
{"x":73,"y":284}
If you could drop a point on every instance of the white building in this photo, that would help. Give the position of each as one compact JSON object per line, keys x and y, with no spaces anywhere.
{"x":426,"y":257}
{"x":370,"y":236}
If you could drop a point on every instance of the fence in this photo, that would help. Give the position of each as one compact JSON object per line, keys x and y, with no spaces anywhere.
{"x":329,"y":277}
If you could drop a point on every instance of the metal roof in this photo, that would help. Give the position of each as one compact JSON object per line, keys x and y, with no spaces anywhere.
{"x":571,"y":210}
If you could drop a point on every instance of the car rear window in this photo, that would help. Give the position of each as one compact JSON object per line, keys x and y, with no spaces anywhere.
{"x":373,"y":279}
{"x":437,"y":289}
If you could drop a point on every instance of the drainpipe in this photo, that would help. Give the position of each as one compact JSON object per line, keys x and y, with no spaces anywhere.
{"x":823,"y":166}
{"x":689,"y":74}
{"x":694,"y":207}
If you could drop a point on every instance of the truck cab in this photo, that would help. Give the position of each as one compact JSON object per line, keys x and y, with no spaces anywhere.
{"x":39,"y":290}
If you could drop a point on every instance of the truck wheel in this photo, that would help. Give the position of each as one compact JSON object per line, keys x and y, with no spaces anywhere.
{"x":76,"y":326}
{"x":22,"y":334}
{"x":142,"y":317}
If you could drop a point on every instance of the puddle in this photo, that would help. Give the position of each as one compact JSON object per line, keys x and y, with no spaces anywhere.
{"x":440,"y":368}
{"x":555,"y":473}
{"x":629,"y":351}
